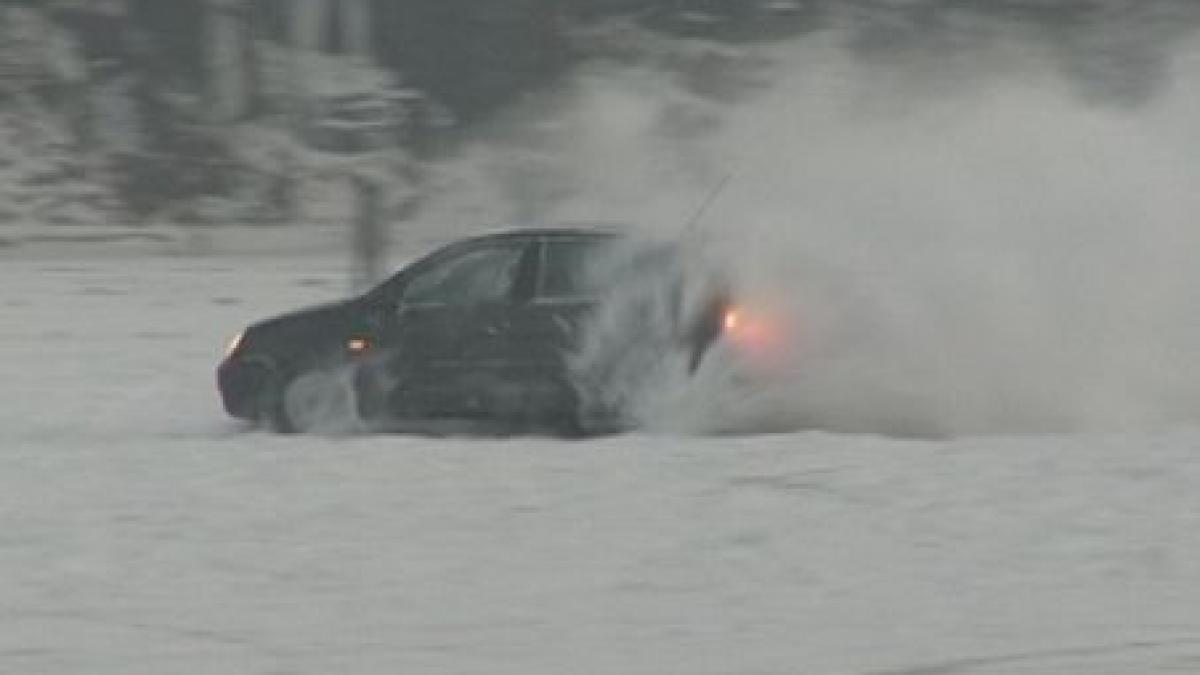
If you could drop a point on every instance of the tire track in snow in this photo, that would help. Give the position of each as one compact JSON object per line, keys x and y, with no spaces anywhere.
{"x":970,"y":665}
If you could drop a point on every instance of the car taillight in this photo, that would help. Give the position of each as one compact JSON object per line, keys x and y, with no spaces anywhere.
{"x":750,"y":330}
{"x":732,"y":320}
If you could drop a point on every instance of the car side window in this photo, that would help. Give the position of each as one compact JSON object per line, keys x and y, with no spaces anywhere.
{"x":570,"y":269}
{"x":479,"y":275}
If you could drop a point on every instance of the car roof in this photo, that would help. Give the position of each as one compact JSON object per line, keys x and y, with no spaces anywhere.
{"x":588,"y":230}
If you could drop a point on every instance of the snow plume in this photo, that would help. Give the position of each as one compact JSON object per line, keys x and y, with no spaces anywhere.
{"x":966,"y":245}
{"x":1007,"y":259}
{"x":323,"y":402}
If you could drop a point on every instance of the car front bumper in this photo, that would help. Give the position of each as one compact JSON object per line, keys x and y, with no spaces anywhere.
{"x":241,"y":384}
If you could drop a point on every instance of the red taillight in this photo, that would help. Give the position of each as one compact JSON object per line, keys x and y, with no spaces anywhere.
{"x":753,"y":331}
{"x":732,"y":320}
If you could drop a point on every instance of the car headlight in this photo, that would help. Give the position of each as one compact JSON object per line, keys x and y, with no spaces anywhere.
{"x":235,"y":344}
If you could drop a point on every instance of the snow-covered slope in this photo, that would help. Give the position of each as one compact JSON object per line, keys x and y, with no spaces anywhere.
{"x":142,"y":532}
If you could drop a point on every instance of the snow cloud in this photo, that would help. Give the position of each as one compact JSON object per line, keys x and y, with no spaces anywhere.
{"x":967,"y":245}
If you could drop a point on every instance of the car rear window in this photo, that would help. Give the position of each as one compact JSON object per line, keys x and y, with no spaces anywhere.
{"x":571,"y":268}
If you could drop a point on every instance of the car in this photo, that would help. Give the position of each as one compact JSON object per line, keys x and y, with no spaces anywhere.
{"x":494,"y":328}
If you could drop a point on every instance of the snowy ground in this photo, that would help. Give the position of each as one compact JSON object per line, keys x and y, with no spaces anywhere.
{"x":142,"y":532}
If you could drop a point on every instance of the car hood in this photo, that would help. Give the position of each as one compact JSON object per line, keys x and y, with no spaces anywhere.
{"x":305,"y":330}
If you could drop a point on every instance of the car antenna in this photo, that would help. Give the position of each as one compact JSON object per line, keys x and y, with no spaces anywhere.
{"x":713,"y":194}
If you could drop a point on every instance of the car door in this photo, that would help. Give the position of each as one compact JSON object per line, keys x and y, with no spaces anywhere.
{"x":546,"y":331}
{"x":451,"y":322}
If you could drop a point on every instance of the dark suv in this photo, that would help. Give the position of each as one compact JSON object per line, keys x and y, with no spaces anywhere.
{"x":482,"y":329}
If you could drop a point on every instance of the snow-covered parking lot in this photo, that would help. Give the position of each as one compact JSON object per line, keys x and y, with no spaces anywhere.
{"x":143,"y":532}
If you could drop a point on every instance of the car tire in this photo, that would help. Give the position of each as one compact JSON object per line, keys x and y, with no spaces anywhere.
{"x":272,"y":405}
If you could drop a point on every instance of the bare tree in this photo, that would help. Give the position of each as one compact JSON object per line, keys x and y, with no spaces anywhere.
{"x":318,"y":104}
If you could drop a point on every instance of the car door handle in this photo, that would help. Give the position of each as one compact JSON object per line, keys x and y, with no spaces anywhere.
{"x":492,"y":330}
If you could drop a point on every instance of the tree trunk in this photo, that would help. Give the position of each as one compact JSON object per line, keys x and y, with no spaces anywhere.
{"x":227,"y":32}
{"x":369,"y":243}
{"x":356,"y":29}
{"x":306,"y":20}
